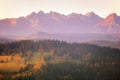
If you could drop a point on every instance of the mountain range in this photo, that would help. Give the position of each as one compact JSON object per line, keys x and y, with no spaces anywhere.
{"x":54,"y":24}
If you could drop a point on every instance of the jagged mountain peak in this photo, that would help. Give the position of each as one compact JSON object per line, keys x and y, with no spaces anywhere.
{"x":33,"y":13}
{"x":90,"y":13}
{"x":111,"y":18}
{"x":113,"y":14}
{"x":75,"y":15}
{"x":54,"y":13}
{"x":40,"y":12}
{"x":111,"y":24}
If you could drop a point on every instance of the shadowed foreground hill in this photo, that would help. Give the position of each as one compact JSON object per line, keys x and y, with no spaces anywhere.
{"x":64,"y":61}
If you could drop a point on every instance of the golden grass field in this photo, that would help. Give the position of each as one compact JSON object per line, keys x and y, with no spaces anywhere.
{"x":11,"y":66}
{"x":17,"y":63}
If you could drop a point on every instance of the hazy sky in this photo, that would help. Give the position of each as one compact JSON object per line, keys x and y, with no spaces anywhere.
{"x":17,"y":8}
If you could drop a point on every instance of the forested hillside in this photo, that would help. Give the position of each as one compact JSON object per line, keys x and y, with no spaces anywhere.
{"x":64,"y":61}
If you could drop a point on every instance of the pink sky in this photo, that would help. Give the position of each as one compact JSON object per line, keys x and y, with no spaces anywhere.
{"x":17,"y":8}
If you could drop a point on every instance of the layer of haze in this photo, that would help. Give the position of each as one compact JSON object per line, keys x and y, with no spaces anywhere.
{"x":17,"y":8}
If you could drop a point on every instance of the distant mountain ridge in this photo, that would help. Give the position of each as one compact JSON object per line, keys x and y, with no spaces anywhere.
{"x":54,"y":22}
